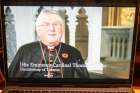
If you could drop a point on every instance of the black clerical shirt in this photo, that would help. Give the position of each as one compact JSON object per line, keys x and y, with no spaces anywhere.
{"x":35,"y":60}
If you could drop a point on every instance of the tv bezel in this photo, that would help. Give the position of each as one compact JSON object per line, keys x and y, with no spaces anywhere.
{"x":78,"y":81}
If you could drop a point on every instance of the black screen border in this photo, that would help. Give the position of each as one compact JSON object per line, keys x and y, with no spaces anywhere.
{"x":84,"y":82}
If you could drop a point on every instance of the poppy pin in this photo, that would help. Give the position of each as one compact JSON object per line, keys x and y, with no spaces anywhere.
{"x":65,"y":55}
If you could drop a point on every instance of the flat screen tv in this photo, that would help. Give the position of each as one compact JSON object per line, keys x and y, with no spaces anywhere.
{"x":69,"y":43}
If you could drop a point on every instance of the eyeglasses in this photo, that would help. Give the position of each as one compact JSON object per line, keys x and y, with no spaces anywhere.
{"x":49,"y":25}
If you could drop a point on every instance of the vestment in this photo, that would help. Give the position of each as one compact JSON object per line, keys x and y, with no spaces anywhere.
{"x":32,"y":61}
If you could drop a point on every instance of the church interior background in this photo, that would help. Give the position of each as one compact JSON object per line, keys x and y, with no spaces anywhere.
{"x":102,"y":34}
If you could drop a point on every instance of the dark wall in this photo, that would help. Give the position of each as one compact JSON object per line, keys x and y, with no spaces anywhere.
{"x":137,"y":57}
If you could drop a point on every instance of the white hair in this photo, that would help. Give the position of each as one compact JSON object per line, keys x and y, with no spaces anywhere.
{"x":47,"y":12}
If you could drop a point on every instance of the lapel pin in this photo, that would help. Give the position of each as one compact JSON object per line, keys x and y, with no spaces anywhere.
{"x":65,"y":55}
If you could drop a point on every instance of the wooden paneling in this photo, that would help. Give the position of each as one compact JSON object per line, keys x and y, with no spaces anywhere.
{"x":1,"y":42}
{"x":1,"y":81}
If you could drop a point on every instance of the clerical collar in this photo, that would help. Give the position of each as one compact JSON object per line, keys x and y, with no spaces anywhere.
{"x":50,"y":47}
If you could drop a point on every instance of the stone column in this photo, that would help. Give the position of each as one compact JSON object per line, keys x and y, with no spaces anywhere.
{"x":94,"y":46}
{"x":72,"y":12}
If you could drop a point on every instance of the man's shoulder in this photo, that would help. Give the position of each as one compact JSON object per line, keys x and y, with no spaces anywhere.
{"x":31,"y":45}
{"x":69,"y":48}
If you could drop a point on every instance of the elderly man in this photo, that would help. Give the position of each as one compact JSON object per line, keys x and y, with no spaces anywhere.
{"x":48,"y":57}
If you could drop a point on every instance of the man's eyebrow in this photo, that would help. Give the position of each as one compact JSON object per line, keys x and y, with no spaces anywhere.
{"x":43,"y":22}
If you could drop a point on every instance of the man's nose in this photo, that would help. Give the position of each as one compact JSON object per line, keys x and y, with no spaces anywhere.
{"x":51,"y":27}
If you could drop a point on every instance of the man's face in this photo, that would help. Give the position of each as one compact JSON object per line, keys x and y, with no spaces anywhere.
{"x":49,"y":28}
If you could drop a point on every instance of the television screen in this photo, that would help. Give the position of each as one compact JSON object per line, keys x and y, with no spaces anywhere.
{"x":68,"y":42}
